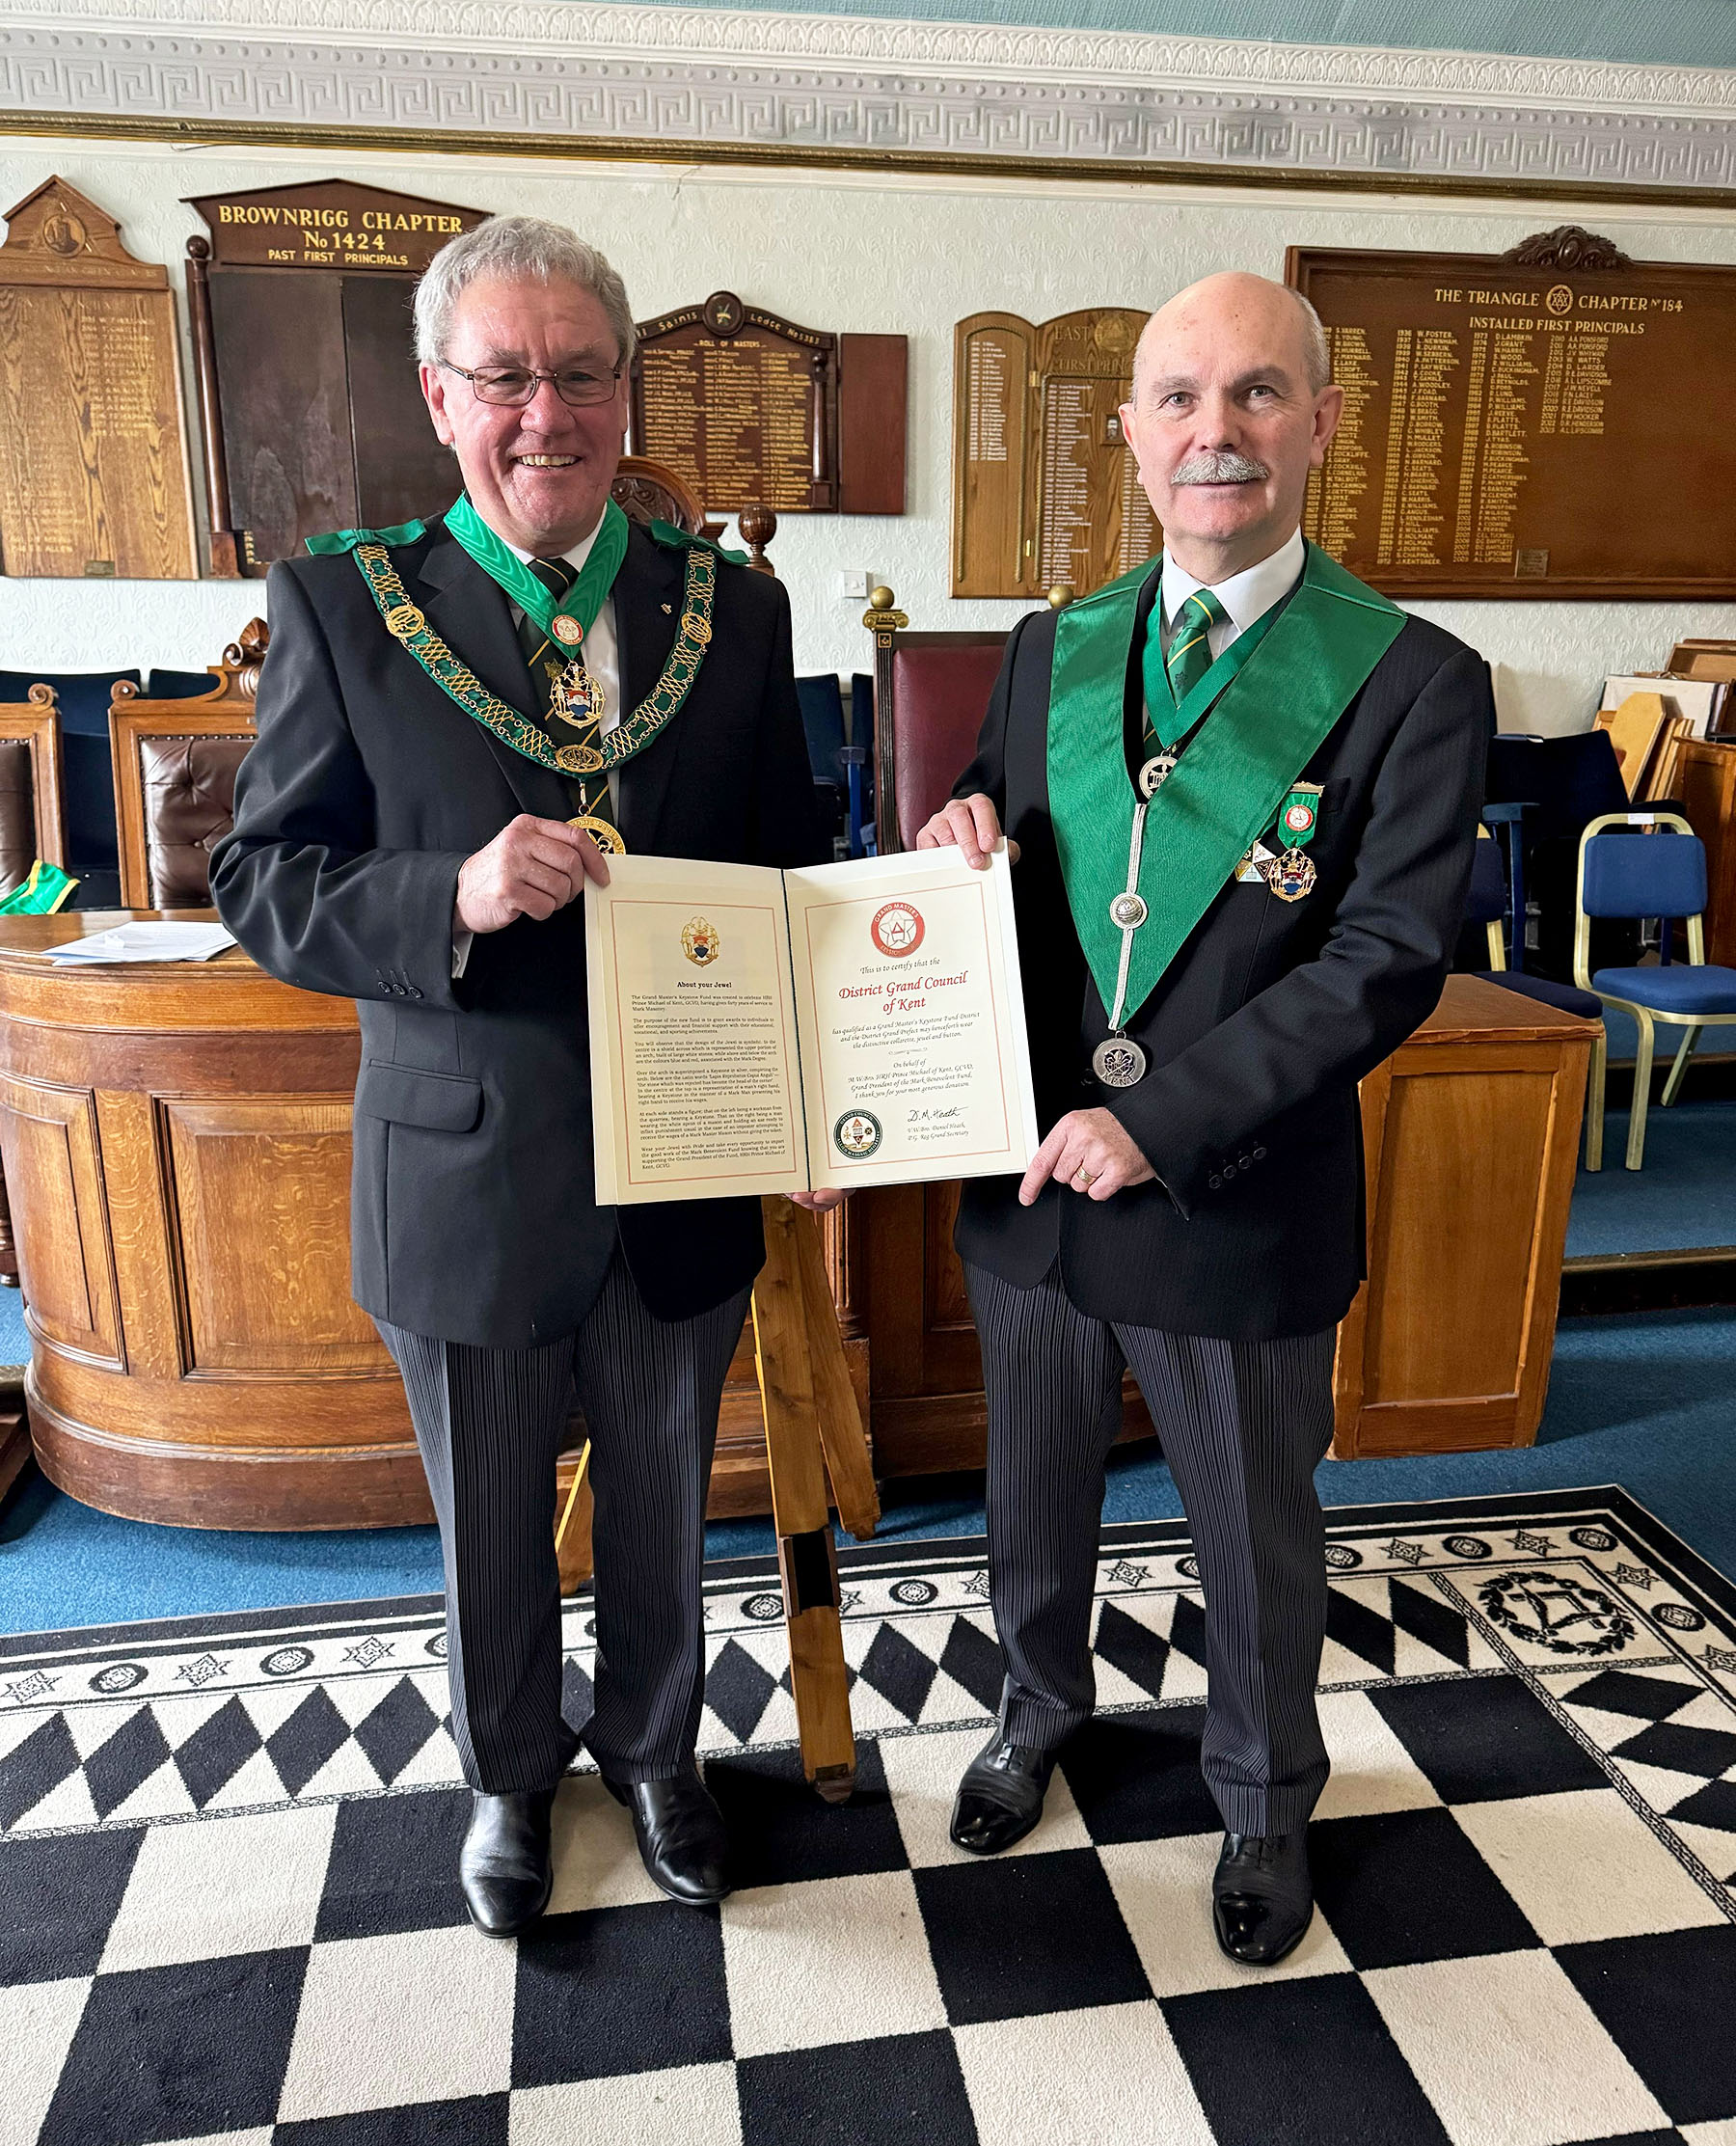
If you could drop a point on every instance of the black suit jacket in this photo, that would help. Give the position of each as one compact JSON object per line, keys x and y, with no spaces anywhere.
{"x":473,"y":1207}
{"x":1263,"y":1025}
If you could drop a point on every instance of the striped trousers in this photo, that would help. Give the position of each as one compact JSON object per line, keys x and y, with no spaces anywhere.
{"x":490,"y":1423}
{"x":1244,"y":1425}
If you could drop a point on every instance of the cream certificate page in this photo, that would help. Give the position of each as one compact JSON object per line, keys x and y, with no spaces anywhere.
{"x":695,"y":1090}
{"x":913,"y":1052}
{"x":757,"y":1031}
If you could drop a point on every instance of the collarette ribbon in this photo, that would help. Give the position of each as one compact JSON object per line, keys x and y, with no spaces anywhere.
{"x":1275,"y":701}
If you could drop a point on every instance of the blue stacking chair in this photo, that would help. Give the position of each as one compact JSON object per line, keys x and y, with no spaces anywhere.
{"x":181,"y":685}
{"x":87,"y":775}
{"x":822,"y":701}
{"x":1487,"y":904}
{"x":1639,"y":875}
{"x":859,"y":760}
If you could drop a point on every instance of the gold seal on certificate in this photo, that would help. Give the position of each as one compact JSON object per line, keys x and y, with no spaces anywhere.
{"x":756,"y":1031}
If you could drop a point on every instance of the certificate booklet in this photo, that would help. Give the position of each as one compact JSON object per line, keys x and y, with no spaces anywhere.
{"x":754,"y":1030}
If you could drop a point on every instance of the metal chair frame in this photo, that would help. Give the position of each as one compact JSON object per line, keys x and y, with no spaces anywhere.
{"x":1646,"y":1018}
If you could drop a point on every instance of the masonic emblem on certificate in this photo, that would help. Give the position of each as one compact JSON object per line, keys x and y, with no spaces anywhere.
{"x":897,"y":929}
{"x":699,"y":942}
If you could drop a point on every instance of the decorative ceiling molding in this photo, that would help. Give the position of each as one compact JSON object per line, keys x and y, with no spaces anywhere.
{"x":698,"y":78}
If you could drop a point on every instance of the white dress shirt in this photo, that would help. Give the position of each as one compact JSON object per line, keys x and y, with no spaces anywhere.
{"x":1246,"y":596}
{"x":602,"y":658}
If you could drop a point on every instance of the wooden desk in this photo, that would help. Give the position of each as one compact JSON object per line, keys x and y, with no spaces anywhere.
{"x":177,"y":1140}
{"x":1470,"y":1138}
{"x":1471,"y":1133}
{"x":176,"y":1146}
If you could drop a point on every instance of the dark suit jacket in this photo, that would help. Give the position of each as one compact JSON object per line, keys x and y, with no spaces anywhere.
{"x":473,"y":1207}
{"x":1263,"y":1025}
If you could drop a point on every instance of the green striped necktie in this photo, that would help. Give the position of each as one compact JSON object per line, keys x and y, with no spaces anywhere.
{"x":1172,"y":677}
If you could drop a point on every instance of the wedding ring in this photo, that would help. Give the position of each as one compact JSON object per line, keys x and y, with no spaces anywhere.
{"x":1083,"y":1179}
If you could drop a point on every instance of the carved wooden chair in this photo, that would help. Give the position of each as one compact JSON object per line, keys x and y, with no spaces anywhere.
{"x":175,"y":777}
{"x":930,"y":694}
{"x":31,"y":825}
{"x":648,"y":491}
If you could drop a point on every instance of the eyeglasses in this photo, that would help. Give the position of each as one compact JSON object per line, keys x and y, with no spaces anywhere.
{"x":512,"y":386}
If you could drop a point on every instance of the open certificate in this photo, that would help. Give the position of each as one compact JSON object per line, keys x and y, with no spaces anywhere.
{"x":754,"y":1030}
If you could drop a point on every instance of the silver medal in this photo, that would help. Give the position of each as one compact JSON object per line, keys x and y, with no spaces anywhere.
{"x":1155,"y":773}
{"x":1117,"y":1062}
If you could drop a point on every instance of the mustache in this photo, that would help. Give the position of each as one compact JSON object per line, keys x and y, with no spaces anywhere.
{"x":1219,"y":466}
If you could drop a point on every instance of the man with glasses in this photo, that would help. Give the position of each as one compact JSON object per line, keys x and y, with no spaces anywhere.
{"x":457,"y":720}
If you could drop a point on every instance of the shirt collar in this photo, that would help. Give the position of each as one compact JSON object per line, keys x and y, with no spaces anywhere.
{"x":1246,"y":596}
{"x":575,"y":558}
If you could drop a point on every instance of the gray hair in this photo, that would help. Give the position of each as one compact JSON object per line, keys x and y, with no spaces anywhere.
{"x":1317,"y":351}
{"x":508,"y":248}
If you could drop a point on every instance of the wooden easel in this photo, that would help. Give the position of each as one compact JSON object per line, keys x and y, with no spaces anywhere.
{"x":813,"y":1434}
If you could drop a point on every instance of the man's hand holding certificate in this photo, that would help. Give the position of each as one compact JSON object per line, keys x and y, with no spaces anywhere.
{"x":761,"y":1031}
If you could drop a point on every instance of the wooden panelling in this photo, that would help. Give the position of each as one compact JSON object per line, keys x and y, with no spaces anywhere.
{"x":283,"y":1164}
{"x":54,"y":1183}
{"x":1470,"y":1137}
{"x":92,"y":458}
{"x":1705,"y":788}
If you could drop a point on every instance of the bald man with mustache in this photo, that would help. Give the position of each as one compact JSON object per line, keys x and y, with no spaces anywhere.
{"x":1244,"y":788}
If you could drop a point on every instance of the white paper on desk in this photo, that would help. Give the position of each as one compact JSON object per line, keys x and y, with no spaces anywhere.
{"x":146,"y":942}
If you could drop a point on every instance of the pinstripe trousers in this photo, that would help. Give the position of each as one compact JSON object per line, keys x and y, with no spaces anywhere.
{"x":1244,"y":1425}
{"x":490,"y":1423}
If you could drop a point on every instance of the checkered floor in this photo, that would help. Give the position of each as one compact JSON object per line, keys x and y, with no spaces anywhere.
{"x":229,"y":1914}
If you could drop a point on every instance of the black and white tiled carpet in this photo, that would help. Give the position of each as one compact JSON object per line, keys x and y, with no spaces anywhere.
{"x":228,"y":1913}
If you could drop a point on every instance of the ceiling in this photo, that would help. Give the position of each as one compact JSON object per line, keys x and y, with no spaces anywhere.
{"x":1657,"y":33}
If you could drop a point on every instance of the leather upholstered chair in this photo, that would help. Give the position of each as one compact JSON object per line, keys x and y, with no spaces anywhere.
{"x":176,"y":763}
{"x":930,"y":694}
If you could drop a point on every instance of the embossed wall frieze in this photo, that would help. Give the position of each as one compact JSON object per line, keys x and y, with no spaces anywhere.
{"x":686,"y":75}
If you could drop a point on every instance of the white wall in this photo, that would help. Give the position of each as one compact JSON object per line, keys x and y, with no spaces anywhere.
{"x":869,"y":253}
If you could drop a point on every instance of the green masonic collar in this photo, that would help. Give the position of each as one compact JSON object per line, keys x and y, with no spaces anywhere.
{"x":372,"y":548}
{"x":1268,"y":721}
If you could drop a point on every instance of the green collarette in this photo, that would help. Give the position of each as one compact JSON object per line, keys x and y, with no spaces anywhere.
{"x":533,"y":597}
{"x":1311,"y":660}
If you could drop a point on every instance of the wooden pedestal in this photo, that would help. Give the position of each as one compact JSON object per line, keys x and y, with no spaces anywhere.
{"x":1471,"y":1133}
{"x":176,"y":1150}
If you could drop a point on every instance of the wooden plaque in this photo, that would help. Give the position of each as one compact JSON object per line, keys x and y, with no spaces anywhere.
{"x":311,"y":412}
{"x":92,"y":457}
{"x":1526,"y":426}
{"x":1045,"y":491}
{"x":753,"y":410}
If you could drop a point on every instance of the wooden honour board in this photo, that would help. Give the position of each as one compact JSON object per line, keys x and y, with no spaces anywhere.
{"x":1525,"y":431}
{"x":312,"y":415}
{"x":752,"y":410}
{"x":1044,"y":489}
{"x":93,"y":455}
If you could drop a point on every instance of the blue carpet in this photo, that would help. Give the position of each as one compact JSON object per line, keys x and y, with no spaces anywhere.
{"x":15,"y":1335}
{"x":1641,"y":1400}
{"x":1684,"y":1199}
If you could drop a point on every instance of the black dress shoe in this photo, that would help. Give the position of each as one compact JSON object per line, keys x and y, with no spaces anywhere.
{"x":1262,"y":1896}
{"x":680,"y":1833}
{"x":1000,"y":1798}
{"x":504,"y":1865}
